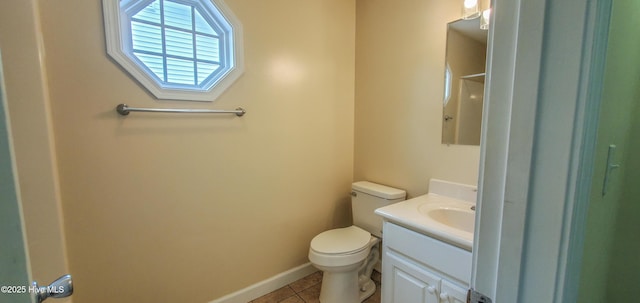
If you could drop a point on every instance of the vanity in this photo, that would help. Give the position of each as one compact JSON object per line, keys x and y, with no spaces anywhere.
{"x":427,"y":244}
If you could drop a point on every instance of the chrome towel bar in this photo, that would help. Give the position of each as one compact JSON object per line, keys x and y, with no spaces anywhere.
{"x":124,"y":110}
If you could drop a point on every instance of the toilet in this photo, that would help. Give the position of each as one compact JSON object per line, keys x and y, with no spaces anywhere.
{"x":347,"y":255}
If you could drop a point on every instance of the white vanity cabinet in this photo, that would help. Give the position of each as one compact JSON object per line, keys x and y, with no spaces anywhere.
{"x":420,"y":269}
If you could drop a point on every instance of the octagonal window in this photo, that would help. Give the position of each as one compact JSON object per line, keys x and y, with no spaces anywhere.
{"x":177,"y":49}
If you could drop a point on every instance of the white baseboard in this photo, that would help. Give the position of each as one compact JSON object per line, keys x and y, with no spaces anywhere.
{"x":266,"y":286}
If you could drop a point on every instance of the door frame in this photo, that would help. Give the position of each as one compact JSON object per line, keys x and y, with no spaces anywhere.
{"x":11,"y":262}
{"x":538,"y":147}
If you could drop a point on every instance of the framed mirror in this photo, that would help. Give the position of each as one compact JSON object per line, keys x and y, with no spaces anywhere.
{"x":465,"y":64}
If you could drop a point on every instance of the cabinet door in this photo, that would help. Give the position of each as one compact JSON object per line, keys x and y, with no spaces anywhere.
{"x":407,"y":282}
{"x":452,"y":293}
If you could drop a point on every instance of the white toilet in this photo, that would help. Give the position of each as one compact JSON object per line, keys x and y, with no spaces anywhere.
{"x":347,"y":255}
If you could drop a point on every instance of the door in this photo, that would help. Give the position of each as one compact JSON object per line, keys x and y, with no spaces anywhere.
{"x":452,"y":293}
{"x":15,"y":274}
{"x":532,"y":239}
{"x":409,"y":282}
{"x":610,"y":265}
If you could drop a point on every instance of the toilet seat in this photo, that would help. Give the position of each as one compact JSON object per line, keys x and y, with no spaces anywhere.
{"x":341,"y":247}
{"x":346,"y":240}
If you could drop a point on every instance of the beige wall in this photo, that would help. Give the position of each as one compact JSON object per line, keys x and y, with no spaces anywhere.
{"x":27,"y":99}
{"x":175,"y":208}
{"x":400,"y":50}
{"x":209,"y":205}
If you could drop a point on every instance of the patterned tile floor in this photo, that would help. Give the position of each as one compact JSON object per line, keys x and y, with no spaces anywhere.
{"x":307,"y":290}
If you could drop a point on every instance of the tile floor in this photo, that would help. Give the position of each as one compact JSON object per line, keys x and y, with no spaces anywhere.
{"x":307,"y":290}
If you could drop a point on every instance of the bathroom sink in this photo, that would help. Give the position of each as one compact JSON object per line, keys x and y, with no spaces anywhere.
{"x":462,"y":218}
{"x":444,"y":218}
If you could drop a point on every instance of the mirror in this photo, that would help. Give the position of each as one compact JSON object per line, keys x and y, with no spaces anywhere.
{"x":464,"y":82}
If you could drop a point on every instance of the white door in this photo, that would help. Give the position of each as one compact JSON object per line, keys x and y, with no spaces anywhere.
{"x":540,"y":157}
{"x":609,"y":268}
{"x":409,"y":282}
{"x":14,"y":264}
{"x":452,"y":293}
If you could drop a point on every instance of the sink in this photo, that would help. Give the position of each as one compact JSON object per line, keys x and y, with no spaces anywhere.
{"x":462,"y":218}
{"x":444,"y":218}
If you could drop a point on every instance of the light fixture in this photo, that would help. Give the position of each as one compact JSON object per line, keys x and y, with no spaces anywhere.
{"x":470,"y":9}
{"x":485,"y":18}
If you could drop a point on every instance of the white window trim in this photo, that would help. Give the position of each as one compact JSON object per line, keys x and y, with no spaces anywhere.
{"x":115,"y":42}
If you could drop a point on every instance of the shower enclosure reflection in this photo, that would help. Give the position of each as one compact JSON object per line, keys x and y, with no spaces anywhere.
{"x":464,"y":82}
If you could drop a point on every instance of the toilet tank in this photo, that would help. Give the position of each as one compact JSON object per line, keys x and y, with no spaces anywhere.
{"x":365,"y":198}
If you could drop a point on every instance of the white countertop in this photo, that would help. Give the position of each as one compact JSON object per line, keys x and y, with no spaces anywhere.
{"x":412,"y":214}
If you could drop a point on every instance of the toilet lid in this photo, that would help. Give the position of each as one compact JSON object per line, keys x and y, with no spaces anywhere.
{"x":341,"y":240}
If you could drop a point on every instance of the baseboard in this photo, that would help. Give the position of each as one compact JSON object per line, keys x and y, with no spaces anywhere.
{"x":266,"y":286}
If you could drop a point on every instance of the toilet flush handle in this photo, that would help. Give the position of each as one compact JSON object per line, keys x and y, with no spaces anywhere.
{"x":354,"y":194}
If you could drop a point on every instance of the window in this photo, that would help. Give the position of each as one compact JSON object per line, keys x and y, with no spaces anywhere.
{"x":177,"y":49}
{"x":447,"y":84}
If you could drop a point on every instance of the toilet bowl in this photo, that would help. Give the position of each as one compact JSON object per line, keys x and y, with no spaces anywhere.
{"x":348,"y":255}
